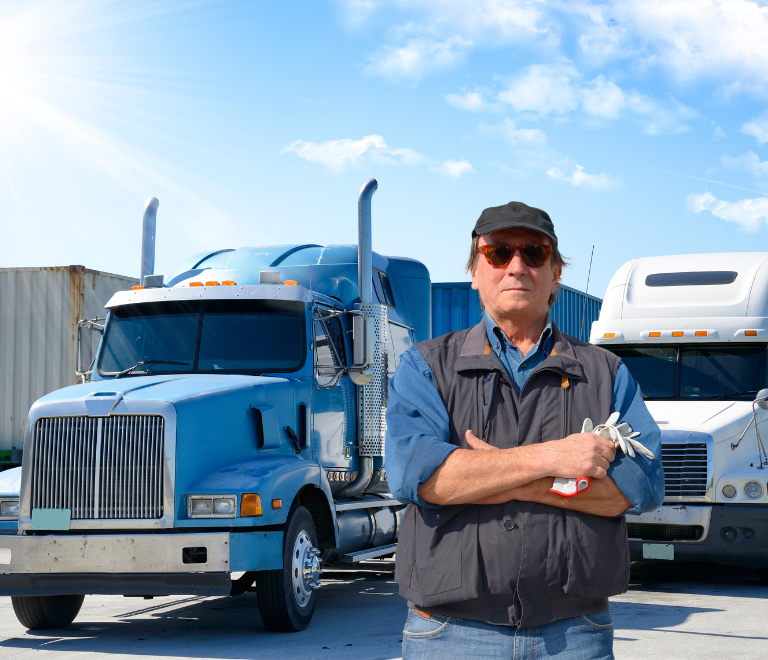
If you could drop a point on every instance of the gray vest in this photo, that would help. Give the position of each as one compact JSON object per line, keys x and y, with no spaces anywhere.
{"x":519,"y":563}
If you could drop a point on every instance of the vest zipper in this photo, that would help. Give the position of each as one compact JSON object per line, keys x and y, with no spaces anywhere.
{"x":564,"y":383}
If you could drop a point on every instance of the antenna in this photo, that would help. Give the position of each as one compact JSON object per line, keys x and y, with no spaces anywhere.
{"x":584,"y":308}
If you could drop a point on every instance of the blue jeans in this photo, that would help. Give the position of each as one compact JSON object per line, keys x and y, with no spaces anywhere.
{"x":447,"y":638}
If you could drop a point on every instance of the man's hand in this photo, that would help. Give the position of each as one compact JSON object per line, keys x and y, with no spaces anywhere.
{"x":578,"y":455}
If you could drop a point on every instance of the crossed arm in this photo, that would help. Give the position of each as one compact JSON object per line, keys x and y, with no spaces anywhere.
{"x":488,"y":475}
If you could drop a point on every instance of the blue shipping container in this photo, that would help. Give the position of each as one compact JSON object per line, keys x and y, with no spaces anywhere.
{"x":456,"y":306}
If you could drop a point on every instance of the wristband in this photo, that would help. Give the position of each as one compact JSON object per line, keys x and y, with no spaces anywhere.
{"x":570,"y":487}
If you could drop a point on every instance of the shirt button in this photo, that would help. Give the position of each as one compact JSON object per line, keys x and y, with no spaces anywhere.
{"x":509,"y":524}
{"x":522,"y":365}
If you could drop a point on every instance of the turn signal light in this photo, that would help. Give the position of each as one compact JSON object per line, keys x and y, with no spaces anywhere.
{"x":701,"y":333}
{"x":250,"y":505}
{"x":277,"y":504}
{"x":750,"y":333}
{"x":136,"y":288}
{"x":677,"y":334}
{"x":195,"y":284}
{"x":654,"y":334}
{"x":290,"y":282}
{"x":228,"y":283}
{"x":609,"y":335}
{"x":211,"y":284}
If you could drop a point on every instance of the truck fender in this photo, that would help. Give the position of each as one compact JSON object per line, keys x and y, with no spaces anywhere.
{"x":276,"y":477}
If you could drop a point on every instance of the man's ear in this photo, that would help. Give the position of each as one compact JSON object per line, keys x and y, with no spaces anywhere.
{"x":474,"y":280}
{"x":557,"y":273}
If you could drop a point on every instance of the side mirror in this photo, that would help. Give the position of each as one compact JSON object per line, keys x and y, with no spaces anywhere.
{"x":84,"y":353}
{"x":761,"y":400}
{"x":360,"y":372}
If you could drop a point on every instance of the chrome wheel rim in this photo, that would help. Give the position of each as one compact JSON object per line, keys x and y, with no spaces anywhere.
{"x":305,"y":568}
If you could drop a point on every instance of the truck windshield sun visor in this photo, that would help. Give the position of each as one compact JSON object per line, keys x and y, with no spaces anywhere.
{"x":694,"y":278}
{"x":212,"y":336}
{"x":702,"y":372}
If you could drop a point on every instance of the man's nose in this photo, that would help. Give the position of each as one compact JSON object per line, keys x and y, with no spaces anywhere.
{"x":517,"y":266}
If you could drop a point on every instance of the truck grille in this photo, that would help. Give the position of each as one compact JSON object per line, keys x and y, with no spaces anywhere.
{"x":657,"y":532}
{"x":99,"y":467}
{"x":685,"y":469}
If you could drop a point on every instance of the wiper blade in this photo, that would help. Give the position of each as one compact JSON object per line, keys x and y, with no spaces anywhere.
{"x":722,"y":396}
{"x":646,"y":397}
{"x":142,"y":363}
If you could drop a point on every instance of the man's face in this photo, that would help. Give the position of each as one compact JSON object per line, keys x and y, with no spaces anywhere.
{"x":515,"y":290}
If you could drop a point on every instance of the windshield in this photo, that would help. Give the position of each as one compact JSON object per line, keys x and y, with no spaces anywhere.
{"x":735,"y":372}
{"x":213,"y":336}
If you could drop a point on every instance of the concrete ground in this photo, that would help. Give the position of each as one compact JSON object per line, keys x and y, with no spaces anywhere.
{"x":670,"y":611}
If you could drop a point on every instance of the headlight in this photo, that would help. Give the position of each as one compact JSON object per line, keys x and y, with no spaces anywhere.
{"x":207,"y":506}
{"x":10,"y":509}
{"x":729,"y":491}
{"x":753,"y":490}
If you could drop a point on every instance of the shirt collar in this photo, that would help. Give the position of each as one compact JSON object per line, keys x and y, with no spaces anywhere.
{"x":497,"y":337}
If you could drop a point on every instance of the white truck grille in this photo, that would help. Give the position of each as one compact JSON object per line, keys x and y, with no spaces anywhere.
{"x":686,"y":473}
{"x":99,"y":467}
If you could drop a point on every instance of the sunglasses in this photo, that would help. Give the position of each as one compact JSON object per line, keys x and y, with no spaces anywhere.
{"x":500,"y":254}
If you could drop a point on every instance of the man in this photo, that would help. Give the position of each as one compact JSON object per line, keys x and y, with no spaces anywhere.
{"x":479,"y":423}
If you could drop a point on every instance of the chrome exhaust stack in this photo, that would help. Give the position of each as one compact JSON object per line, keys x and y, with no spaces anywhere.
{"x":370,"y":348}
{"x":148,"y":239}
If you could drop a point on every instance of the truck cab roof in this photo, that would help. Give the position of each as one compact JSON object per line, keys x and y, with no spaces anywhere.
{"x":692,"y":297}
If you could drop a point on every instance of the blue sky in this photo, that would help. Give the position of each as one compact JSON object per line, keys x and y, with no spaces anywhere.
{"x":640,"y":127}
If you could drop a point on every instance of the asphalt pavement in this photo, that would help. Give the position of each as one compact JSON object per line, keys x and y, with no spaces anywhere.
{"x":695,"y":611}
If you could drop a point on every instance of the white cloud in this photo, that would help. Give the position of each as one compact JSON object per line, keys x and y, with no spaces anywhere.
{"x":603,"y":98}
{"x":719,"y":133}
{"x":581,"y":179}
{"x":469,"y":101}
{"x":544,"y":88}
{"x":418,"y":57}
{"x":336,"y":155}
{"x":659,"y":117}
{"x":453,"y":168}
{"x":757,"y":128}
{"x":747,"y":213}
{"x":507,"y":130}
{"x":750,"y":162}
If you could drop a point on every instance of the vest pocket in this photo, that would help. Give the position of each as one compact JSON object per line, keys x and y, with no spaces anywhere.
{"x":598,"y":555}
{"x":438,"y":542}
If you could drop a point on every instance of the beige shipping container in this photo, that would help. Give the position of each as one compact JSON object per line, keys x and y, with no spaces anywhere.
{"x":39,"y":311}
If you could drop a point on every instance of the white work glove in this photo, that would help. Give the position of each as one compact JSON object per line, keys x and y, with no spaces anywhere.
{"x":621,"y":435}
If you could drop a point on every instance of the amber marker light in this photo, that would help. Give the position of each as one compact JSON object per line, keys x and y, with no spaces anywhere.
{"x":228,"y":283}
{"x":677,"y":334}
{"x":290,"y":283}
{"x":277,"y":504}
{"x":136,"y":288}
{"x":750,"y":333}
{"x":701,"y":333}
{"x":211,"y":284}
{"x":195,"y":284}
{"x":654,"y":334}
{"x":250,"y":505}
{"x":609,"y":335}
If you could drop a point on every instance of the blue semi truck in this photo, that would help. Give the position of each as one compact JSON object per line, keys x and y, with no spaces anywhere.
{"x":230,"y":437}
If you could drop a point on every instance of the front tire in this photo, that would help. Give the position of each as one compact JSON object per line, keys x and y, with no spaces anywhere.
{"x":287,"y":596}
{"x":46,"y":612}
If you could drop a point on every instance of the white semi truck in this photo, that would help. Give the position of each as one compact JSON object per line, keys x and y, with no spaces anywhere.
{"x":693,"y":331}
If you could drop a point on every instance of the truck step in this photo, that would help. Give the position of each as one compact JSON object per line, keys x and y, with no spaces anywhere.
{"x":368,"y":503}
{"x":354,"y":557}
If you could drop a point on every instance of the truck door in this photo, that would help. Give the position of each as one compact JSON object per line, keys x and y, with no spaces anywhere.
{"x":333,"y":404}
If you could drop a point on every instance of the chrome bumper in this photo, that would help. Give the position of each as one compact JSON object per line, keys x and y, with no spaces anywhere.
{"x":124,"y":554}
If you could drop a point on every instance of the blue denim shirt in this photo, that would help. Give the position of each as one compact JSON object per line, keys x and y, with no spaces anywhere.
{"x":417,"y":440}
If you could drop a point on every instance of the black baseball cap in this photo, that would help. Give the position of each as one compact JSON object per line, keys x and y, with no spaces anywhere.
{"x":515,"y":214}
